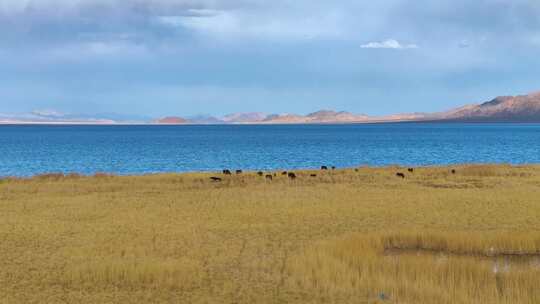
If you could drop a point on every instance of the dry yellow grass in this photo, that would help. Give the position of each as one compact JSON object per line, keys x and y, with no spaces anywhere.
{"x":341,"y":237}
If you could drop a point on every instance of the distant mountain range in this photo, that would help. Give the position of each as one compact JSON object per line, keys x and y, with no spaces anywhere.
{"x":523,"y":108}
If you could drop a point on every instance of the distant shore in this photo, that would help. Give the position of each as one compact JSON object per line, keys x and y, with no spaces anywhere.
{"x":442,"y":121}
{"x":479,"y":122}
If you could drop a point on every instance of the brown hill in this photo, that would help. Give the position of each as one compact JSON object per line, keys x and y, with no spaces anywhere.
{"x":323,"y":116}
{"x":172,"y":120}
{"x":339,"y":117}
{"x":522,"y":108}
{"x":244,"y":117}
{"x":285,"y":119}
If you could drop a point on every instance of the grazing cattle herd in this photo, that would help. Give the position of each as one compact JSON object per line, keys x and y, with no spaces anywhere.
{"x":292,"y":175}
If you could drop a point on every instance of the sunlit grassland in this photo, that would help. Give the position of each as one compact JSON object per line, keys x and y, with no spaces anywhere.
{"x":344,"y":236}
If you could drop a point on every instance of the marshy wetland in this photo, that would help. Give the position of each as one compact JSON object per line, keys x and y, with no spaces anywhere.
{"x":326,"y":236}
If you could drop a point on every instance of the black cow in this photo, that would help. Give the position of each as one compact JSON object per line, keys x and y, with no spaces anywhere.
{"x":215,"y":179}
{"x":324,"y":168}
{"x":291,"y":175}
{"x":399,"y":174}
{"x":284,"y":173}
{"x":313,"y":175}
{"x":453,"y":171}
{"x":260,"y":173}
{"x":238,"y":171}
{"x":355,"y":169}
{"x":268,"y":177}
{"x":410,"y":170}
{"x":227,"y":172}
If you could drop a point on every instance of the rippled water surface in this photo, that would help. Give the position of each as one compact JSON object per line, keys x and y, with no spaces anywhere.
{"x":29,"y":150}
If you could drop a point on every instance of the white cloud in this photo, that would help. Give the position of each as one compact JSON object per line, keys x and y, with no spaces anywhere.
{"x":388,"y":44}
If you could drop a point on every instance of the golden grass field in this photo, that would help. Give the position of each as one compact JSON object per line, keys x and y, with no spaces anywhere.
{"x":344,"y":236}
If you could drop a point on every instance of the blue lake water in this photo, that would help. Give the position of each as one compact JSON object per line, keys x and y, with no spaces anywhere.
{"x":29,"y":150}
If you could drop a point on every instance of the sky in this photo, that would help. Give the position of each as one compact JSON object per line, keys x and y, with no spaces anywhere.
{"x":186,"y":57}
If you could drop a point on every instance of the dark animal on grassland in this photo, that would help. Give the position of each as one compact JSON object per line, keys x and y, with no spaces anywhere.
{"x":453,"y":171}
{"x":268,"y":177}
{"x":313,"y":175}
{"x":291,"y":175}
{"x":333,"y":168}
{"x":399,"y":174}
{"x":215,"y":179}
{"x":410,"y":170}
{"x":284,"y":173}
{"x":324,"y":168}
{"x":238,"y":171}
{"x":227,"y":172}
{"x":355,"y":169}
{"x":260,"y":173}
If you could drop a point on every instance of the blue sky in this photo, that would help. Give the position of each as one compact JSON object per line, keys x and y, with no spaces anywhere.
{"x":186,"y":57}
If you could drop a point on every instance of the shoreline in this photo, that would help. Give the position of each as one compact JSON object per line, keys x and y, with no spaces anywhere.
{"x":278,"y":171}
{"x":336,"y":123}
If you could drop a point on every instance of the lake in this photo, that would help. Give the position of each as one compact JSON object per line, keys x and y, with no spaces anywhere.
{"x":30,"y":150}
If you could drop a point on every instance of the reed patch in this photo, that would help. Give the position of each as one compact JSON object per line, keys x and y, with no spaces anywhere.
{"x":421,"y":268}
{"x":326,"y":236}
